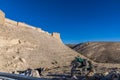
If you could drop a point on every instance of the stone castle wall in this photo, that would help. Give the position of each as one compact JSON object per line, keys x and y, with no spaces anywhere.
{"x":12,"y":22}
{"x":8,"y":22}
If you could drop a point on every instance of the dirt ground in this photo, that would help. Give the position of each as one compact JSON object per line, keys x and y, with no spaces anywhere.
{"x":63,"y":73}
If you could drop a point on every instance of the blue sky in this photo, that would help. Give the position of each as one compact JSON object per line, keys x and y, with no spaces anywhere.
{"x":76,"y":20}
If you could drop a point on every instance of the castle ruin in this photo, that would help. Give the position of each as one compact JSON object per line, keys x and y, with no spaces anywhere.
{"x":8,"y":22}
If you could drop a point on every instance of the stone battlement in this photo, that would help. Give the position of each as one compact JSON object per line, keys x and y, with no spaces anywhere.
{"x":8,"y":22}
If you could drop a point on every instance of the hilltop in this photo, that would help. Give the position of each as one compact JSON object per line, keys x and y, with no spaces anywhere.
{"x":104,"y":52}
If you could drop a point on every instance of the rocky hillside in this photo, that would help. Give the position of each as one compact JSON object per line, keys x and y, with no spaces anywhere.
{"x":100,"y":51}
{"x":23,"y":46}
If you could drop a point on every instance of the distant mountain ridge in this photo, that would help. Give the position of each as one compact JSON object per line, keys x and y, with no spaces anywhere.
{"x":105,"y":52}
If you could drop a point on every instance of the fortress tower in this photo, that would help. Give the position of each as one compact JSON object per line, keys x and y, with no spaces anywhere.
{"x":56,"y":35}
{"x":2,"y":17}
